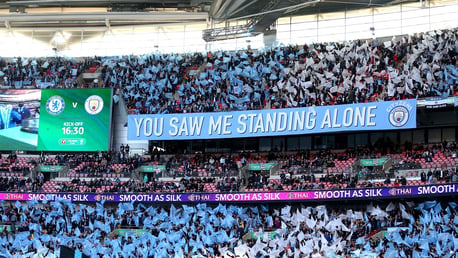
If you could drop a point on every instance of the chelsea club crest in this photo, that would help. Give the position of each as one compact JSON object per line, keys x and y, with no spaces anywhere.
{"x":55,"y":105}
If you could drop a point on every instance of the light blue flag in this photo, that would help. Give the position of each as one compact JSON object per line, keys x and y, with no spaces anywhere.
{"x":424,"y":245}
{"x":70,"y":205}
{"x":201,"y":206}
{"x":136,"y":220}
{"x":444,"y":237}
{"x":148,"y":223}
{"x":433,"y":236}
{"x":448,"y":212}
{"x":69,"y":225}
{"x":129,"y":206}
{"x":107,"y":227}
{"x":100,"y":209}
{"x":59,"y":222}
{"x":165,"y":225}
{"x":120,"y":211}
{"x":244,"y":99}
{"x":391,"y":253}
{"x":367,"y":246}
{"x":162,"y":235}
{"x":411,"y":219}
{"x":430,"y":204}
{"x":221,"y":208}
{"x":196,"y":245}
{"x":37,"y":244}
{"x":162,"y":253}
{"x":360,"y":241}
{"x":222,"y":237}
{"x":426,"y":218}
{"x":331,"y":254}
{"x":436,"y":217}
{"x":266,"y":69}
{"x":77,"y":232}
{"x":254,"y":210}
{"x":173,"y":211}
{"x":420,"y":206}
{"x":90,"y":209}
{"x":455,"y":243}
{"x":18,"y":205}
{"x":409,"y":240}
{"x":207,"y":239}
{"x":45,"y":238}
{"x":6,"y":253}
{"x":447,"y":255}
{"x":415,"y":254}
{"x":438,"y":208}
{"x":56,"y":205}
{"x":379,"y":247}
{"x":227,"y":222}
{"x":35,"y":227}
{"x":439,"y":249}
{"x":257,"y":96}
{"x":19,"y":243}
{"x":101,"y":226}
{"x":402,"y":253}
{"x":76,"y":217}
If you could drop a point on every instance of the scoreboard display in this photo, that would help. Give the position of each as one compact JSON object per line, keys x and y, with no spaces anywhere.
{"x":55,"y":119}
{"x":74,"y":120}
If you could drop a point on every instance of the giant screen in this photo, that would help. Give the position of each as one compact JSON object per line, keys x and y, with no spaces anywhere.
{"x":55,"y":119}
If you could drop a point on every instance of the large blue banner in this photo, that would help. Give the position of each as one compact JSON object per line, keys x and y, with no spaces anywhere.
{"x":388,"y":115}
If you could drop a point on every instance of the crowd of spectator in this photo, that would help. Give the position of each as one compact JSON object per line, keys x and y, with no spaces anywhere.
{"x":396,"y":229}
{"x":7,"y":163}
{"x":152,"y":185}
{"x":95,"y":164}
{"x":212,"y":165}
{"x":18,"y":184}
{"x":102,"y":157}
{"x":330,"y":181}
{"x":51,"y":72}
{"x":303,"y":170}
{"x":416,"y":66}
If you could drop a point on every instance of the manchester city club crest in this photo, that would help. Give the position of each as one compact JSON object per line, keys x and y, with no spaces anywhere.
{"x":93,"y":104}
{"x":399,"y":116}
{"x":55,"y":105}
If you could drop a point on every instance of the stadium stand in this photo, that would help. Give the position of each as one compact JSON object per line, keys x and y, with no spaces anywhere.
{"x":418,"y":66}
{"x":43,"y":72}
{"x":394,"y":229}
{"x":414,"y":67}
